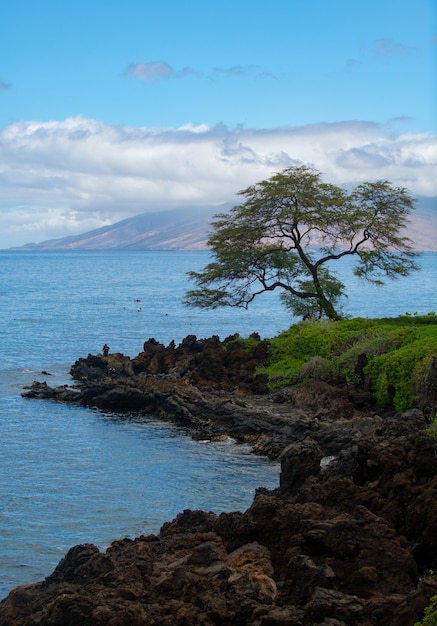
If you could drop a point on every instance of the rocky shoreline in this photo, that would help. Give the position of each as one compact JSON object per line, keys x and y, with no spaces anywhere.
{"x":349,"y":537}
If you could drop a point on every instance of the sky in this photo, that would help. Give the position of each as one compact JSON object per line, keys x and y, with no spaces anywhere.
{"x":113,"y":108}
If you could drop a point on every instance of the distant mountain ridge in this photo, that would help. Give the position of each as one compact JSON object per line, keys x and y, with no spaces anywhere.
{"x":178,"y":229}
{"x":189,"y":228}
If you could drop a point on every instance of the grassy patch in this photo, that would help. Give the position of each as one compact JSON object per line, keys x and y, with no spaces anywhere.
{"x":393,"y":355}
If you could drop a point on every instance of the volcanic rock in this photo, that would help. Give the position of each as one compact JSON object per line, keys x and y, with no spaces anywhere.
{"x":349,"y":538}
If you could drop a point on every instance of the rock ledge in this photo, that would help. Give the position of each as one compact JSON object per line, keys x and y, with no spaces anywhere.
{"x":349,"y":538}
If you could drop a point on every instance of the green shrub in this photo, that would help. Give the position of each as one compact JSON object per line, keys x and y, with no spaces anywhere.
{"x":432,"y":430}
{"x":292,"y":349}
{"x":422,"y":382}
{"x":397,"y":354}
{"x":245,"y":343}
{"x":430,"y":614}
{"x":396,"y":374}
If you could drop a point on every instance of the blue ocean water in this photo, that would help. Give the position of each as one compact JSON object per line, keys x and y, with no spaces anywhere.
{"x":69,"y":474}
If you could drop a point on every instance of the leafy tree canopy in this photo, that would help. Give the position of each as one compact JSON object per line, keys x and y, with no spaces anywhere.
{"x":288,"y":231}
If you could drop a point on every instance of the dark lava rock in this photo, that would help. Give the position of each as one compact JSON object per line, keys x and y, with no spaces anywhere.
{"x":349,"y":537}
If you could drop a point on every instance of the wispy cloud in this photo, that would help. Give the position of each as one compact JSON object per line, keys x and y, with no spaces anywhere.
{"x":351,"y":63}
{"x":383,"y":49}
{"x":387,"y":48}
{"x":61,"y":178}
{"x":160,"y":70}
{"x":157,"y":70}
{"x":402,"y":119}
{"x":241,"y":71}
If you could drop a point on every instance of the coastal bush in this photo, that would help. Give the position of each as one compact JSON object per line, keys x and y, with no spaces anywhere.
{"x":245,"y":343}
{"x":399,"y":376}
{"x":292,"y":349}
{"x":432,"y":430}
{"x":392,"y":355}
{"x":430,"y":614}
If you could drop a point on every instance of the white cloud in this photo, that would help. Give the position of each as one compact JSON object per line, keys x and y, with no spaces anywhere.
{"x":157,"y":70}
{"x":61,"y":178}
{"x":149,"y":72}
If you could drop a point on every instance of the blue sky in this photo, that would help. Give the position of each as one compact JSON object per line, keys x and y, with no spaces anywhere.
{"x":112,"y":108}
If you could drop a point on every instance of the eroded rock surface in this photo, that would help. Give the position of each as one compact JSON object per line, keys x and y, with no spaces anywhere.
{"x":349,"y":537}
{"x":212,"y":387}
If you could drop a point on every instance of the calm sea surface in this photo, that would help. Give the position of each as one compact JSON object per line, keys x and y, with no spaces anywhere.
{"x":71,"y":475}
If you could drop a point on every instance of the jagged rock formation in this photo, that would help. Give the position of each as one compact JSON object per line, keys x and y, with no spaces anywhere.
{"x":349,"y":538}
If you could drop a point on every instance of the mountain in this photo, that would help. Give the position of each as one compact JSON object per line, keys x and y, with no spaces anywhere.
{"x":188,"y":228}
{"x":423,"y":225}
{"x":178,"y":229}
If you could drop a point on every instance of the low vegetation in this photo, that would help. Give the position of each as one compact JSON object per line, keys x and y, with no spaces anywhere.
{"x":430,"y":615}
{"x":394,"y":357}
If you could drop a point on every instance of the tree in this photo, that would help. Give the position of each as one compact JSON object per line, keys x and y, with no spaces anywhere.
{"x":309,"y":308}
{"x":287,"y":232}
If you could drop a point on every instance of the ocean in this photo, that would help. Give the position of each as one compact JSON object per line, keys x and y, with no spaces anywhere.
{"x":72,"y":475}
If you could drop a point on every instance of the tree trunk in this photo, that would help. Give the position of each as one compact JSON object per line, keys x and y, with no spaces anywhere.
{"x":328,"y":308}
{"x":325,"y":304}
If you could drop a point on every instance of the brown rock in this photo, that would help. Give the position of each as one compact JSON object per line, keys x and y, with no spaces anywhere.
{"x":349,"y":537}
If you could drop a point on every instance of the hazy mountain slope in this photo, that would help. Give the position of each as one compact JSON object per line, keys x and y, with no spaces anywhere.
{"x":187,"y":229}
{"x":423,"y":225}
{"x":179,"y":229}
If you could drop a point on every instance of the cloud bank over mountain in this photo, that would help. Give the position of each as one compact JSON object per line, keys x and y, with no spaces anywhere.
{"x":63,"y":178}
